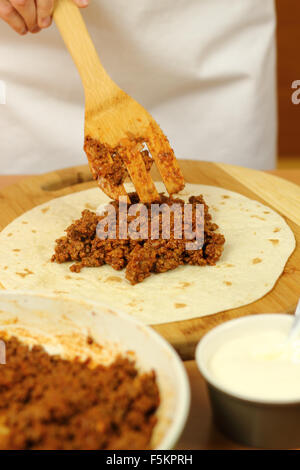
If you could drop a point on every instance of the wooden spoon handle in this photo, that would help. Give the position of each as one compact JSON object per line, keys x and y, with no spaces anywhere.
{"x":72,"y":28}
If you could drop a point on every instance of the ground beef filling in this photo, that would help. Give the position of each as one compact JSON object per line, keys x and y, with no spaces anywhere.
{"x":50,"y":403}
{"x":107,"y":162}
{"x":143,"y":256}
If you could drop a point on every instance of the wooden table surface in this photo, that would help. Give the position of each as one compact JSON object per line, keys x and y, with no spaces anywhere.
{"x":200,"y":432}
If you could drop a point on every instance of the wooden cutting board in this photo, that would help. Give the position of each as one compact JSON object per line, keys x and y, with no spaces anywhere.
{"x":279,"y":194}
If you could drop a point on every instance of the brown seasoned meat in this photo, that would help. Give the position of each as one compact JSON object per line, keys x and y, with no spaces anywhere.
{"x":99,"y":156}
{"x":47,"y":402}
{"x":142,"y":256}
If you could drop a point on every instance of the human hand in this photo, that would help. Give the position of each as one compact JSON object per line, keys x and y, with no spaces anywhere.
{"x":30,"y":15}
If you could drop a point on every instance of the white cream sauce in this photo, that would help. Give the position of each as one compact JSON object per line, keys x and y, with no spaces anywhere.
{"x":260,"y":365}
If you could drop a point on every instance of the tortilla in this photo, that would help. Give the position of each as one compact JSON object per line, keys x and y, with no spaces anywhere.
{"x":258,"y":245}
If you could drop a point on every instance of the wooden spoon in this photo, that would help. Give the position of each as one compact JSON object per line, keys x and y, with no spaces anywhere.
{"x":116,"y":126}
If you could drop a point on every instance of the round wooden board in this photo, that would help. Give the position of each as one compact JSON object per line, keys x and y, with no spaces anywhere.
{"x":279,"y":194}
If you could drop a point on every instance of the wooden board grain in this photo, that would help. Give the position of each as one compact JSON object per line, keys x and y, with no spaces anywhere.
{"x":275,"y":192}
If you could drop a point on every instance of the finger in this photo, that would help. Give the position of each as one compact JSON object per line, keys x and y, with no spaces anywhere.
{"x":81,"y":3}
{"x":44,"y":12}
{"x":12,"y":17}
{"x":27,"y":9}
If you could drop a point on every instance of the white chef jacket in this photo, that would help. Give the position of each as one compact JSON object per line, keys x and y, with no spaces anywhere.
{"x":205,"y":69}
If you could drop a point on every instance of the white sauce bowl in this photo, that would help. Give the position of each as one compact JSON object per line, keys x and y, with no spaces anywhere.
{"x":253,"y":415}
